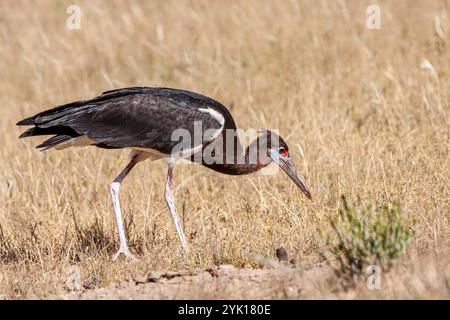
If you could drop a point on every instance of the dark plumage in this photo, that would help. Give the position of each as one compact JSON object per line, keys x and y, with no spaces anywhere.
{"x":144,"y":120}
{"x":132,"y":117}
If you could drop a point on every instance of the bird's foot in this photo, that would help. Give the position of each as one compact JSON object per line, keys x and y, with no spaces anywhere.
{"x":185,"y":248}
{"x":125,"y":251}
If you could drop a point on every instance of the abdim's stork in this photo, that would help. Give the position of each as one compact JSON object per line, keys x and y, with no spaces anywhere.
{"x":144,"y":120}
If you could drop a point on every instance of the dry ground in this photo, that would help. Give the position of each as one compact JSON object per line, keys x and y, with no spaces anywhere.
{"x":369,"y":108}
{"x":427,"y":278}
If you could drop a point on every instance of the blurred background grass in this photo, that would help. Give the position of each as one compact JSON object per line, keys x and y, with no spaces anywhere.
{"x":369,"y":109}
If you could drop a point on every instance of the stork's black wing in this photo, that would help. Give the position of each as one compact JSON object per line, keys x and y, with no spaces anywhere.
{"x":131,"y":117}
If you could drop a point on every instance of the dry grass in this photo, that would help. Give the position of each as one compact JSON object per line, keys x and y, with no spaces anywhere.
{"x":370,"y":120}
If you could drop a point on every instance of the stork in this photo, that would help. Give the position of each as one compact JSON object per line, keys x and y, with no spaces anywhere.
{"x":144,"y":120}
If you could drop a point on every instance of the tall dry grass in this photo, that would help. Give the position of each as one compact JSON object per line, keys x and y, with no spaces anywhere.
{"x":370,"y":120}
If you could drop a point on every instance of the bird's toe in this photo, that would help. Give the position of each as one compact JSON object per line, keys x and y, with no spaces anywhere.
{"x":125,"y":251}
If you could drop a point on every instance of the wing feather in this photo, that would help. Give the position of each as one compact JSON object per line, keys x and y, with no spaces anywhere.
{"x":138,"y":117}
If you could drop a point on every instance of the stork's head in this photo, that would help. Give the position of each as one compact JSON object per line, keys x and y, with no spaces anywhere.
{"x":272,"y":148}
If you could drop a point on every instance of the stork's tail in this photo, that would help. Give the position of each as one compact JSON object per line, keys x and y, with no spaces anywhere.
{"x":51,"y":122}
{"x":26,"y":122}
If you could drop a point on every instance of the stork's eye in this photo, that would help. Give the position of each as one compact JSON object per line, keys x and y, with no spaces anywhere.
{"x":283,"y":152}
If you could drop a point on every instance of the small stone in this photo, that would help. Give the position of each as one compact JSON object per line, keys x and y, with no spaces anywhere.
{"x":213,"y":272}
{"x":154,"y":276}
{"x":293,"y":263}
{"x":226,"y":269}
{"x":282,"y":254}
{"x":140,"y":279}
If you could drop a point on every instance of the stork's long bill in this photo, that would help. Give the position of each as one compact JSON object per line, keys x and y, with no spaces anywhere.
{"x":283,"y":160}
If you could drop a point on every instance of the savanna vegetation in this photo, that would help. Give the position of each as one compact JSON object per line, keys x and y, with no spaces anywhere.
{"x":366,"y":113}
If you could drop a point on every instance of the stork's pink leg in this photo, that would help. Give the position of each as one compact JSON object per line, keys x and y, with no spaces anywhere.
{"x":114,"y":189}
{"x":170,"y":200}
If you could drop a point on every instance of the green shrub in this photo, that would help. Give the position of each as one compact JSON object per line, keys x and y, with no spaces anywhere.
{"x":366,"y":235}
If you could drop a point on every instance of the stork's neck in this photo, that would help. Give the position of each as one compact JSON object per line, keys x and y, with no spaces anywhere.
{"x":235,"y":168}
{"x":238,"y":162}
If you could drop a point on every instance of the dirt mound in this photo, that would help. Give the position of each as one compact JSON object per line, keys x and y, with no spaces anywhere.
{"x":222,"y":282}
